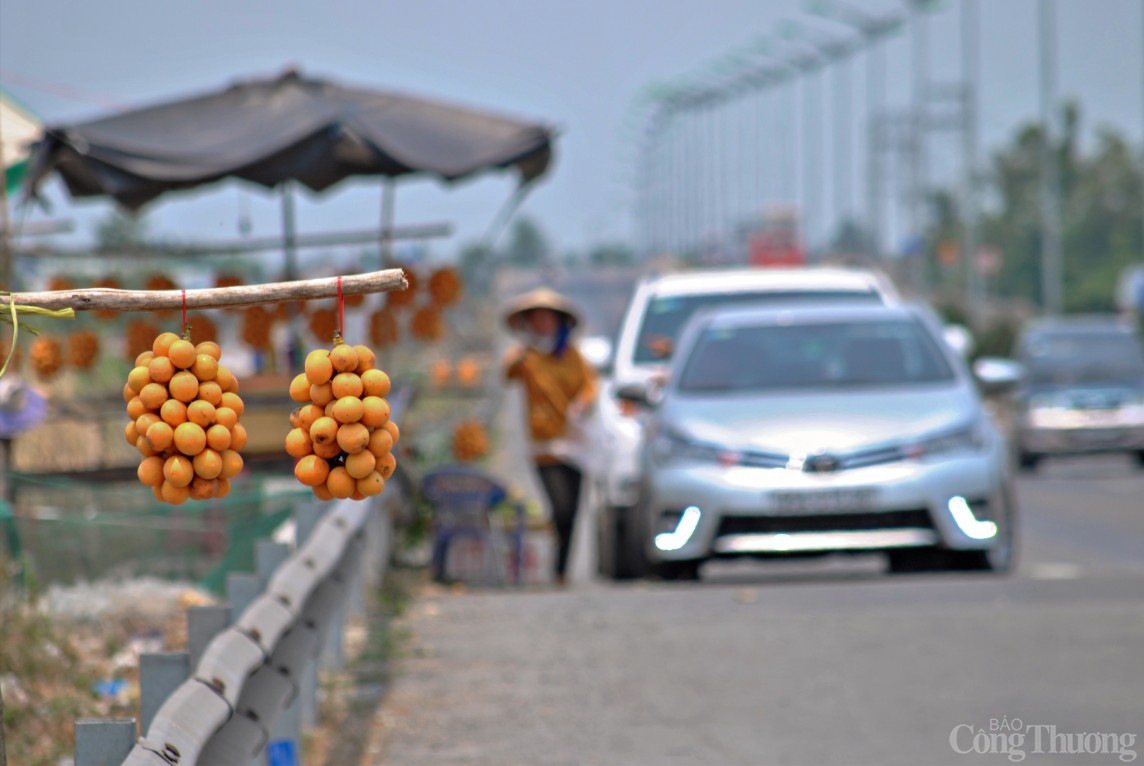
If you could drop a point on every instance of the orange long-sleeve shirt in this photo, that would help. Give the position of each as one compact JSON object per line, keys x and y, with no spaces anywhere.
{"x":551,"y":385}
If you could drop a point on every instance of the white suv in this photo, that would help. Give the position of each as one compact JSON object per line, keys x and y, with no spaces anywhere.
{"x":659,"y":308}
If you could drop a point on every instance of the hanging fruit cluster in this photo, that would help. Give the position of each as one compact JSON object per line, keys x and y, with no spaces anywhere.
{"x":383,"y":328}
{"x":427,"y":324}
{"x":83,"y":348}
{"x":47,"y":356}
{"x":203,"y":329}
{"x":256,"y":325}
{"x":470,"y":440}
{"x":323,"y":322}
{"x":140,"y":335}
{"x":184,"y":409}
{"x":342,"y":435}
{"x":444,"y":287}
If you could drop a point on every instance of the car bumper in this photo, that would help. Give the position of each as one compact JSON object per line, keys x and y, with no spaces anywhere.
{"x":1082,"y":439}
{"x":763,"y":511}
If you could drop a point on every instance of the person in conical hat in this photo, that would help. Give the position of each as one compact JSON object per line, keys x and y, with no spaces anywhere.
{"x":560,"y":387}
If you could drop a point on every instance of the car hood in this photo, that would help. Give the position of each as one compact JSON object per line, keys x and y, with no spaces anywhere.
{"x":800,"y":423}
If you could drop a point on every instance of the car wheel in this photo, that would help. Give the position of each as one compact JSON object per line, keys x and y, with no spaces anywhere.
{"x":1139,"y":455}
{"x":631,"y":536}
{"x":616,"y":557}
{"x":678,"y":570}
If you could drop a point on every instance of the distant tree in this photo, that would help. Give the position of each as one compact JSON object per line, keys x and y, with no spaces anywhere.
{"x":851,"y":237}
{"x":118,"y":231}
{"x":477,"y":262}
{"x":1101,"y":201}
{"x":612,"y":254}
{"x":527,"y":245}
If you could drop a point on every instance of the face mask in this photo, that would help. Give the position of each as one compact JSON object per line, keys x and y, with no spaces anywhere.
{"x":544,"y":344}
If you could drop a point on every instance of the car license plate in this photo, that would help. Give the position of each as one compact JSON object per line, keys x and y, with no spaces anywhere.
{"x":849,"y":500}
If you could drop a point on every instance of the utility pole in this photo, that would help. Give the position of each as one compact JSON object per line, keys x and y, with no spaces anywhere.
{"x":919,"y":55}
{"x":969,"y":211}
{"x":1051,"y":261}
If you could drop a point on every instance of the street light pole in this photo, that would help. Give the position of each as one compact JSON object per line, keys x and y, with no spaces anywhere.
{"x":918,"y":54}
{"x":873,"y":29}
{"x":973,"y":280}
{"x":1051,"y":260}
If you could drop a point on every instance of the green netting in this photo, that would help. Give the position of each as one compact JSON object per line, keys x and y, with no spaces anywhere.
{"x":71,"y":531}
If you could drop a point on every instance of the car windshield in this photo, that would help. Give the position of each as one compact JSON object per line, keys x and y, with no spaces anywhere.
{"x":667,"y":314}
{"x":1083,"y":357}
{"x":800,"y":356}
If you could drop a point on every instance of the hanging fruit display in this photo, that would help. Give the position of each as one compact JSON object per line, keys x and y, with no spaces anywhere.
{"x":161,"y":282}
{"x":323,"y":322}
{"x":407,"y":296}
{"x":203,"y":328}
{"x":383,"y":328}
{"x":113,"y":283}
{"x":139,"y":336}
{"x":468,"y":372}
{"x":256,"y":324}
{"x":440,"y":372}
{"x":341,"y":433}
{"x":444,"y":287}
{"x":427,"y":324}
{"x":83,"y":348}
{"x":184,"y":410}
{"x":47,"y":356}
{"x":470,"y":441}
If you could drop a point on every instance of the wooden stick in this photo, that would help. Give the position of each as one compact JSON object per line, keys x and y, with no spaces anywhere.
{"x":212,"y":297}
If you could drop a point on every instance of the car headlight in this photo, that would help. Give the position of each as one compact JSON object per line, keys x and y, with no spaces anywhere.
{"x":669,"y":446}
{"x":969,"y":438}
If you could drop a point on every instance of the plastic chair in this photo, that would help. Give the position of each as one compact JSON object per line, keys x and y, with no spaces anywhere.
{"x":463,"y":499}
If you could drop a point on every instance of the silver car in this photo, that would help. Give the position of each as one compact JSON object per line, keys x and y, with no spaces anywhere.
{"x":658,"y":310}
{"x":1082,"y":389}
{"x":811,"y":430}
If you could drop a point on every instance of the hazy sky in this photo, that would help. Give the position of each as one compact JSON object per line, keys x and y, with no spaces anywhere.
{"x":576,"y":63}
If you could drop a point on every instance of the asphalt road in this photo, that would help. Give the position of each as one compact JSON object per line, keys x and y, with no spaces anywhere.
{"x":824,"y":663}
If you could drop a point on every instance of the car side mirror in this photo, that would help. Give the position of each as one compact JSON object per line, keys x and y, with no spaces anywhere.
{"x":997,"y":375}
{"x":960,"y":339}
{"x":648,"y":394}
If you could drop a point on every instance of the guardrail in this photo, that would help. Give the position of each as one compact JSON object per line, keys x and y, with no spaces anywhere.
{"x":245,"y":688}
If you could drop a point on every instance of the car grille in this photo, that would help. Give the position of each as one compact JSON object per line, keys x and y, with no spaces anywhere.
{"x":745,"y":525}
{"x":843,"y":462}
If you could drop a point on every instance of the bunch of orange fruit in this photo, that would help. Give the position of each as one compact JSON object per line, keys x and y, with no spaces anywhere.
{"x":445,"y":286}
{"x":83,"y":348}
{"x":184,"y":409}
{"x":341,"y":432}
{"x":427,"y":324}
{"x":47,"y":356}
{"x":470,"y":440}
{"x":383,"y":330}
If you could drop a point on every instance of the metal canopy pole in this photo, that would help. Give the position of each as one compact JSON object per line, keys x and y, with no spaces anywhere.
{"x":388,"y":210}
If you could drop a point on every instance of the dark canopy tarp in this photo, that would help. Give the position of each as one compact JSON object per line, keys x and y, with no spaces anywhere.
{"x":287,"y":128}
